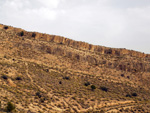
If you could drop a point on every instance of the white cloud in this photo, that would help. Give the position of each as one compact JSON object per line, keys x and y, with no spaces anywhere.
{"x":42,"y":13}
{"x":14,"y":4}
{"x":49,"y":3}
{"x":18,"y":9}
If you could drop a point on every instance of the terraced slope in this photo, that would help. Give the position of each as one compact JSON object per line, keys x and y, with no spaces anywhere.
{"x":48,"y":73}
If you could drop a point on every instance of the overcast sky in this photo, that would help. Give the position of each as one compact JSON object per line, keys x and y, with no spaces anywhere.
{"x":111,"y":23}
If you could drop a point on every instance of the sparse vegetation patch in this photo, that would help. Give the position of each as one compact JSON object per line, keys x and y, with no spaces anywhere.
{"x":5,"y":77}
{"x":93,"y":87}
{"x":33,"y":34}
{"x":103,"y":88}
{"x":38,"y":94}
{"x":10,"y":107}
{"x":66,"y":77}
{"x":134,"y":94}
{"x":21,"y":33}
{"x":128,"y":95}
{"x":18,"y":78}
{"x":87,"y":83}
{"x":5,"y":27}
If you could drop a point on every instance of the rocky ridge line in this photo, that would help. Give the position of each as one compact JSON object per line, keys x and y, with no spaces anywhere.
{"x":120,"y":59}
{"x":78,"y":44}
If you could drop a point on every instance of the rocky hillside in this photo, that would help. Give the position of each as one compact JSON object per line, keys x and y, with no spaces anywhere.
{"x":48,"y":73}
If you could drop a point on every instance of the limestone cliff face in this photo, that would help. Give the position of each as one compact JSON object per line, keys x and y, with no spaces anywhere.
{"x":96,"y":55}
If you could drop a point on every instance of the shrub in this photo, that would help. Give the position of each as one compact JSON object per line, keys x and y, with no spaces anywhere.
{"x":10,"y":107}
{"x":38,"y":94}
{"x":33,"y":34}
{"x":4,"y":77}
{"x":93,"y":87}
{"x":102,"y":111}
{"x":104,"y":88}
{"x":87,"y":83}
{"x":18,"y":78}
{"x":0,"y":105}
{"x":67,"y":78}
{"x":21,"y":33}
{"x":5,"y":27}
{"x":134,"y":94}
{"x":96,"y":64}
{"x":128,"y":77}
{"x":42,"y":99}
{"x":60,"y":82}
{"x":122,"y":75}
{"x":47,"y":70}
{"x":128,"y":95}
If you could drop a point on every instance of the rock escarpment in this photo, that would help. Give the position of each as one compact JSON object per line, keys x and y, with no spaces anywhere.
{"x":132,"y":61}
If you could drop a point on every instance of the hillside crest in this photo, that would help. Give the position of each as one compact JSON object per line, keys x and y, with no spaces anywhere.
{"x":76,"y":44}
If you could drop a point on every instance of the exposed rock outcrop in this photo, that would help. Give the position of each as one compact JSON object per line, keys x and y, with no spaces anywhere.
{"x":78,"y":44}
{"x":97,"y":56}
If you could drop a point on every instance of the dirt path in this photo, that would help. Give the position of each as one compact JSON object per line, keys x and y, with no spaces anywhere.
{"x":27,"y":72}
{"x":115,"y":106}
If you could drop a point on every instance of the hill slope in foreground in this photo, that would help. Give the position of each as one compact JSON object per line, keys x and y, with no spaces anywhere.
{"x":48,"y":73}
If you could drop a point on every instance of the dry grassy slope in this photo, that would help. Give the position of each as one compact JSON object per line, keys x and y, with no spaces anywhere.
{"x":54,"y":71}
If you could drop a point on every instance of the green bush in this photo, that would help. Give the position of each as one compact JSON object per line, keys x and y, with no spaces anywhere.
{"x":134,"y":94}
{"x":4,"y":77}
{"x":33,"y":34}
{"x":104,"y":88}
{"x":60,"y":82}
{"x":38,"y":94}
{"x":87,"y":83}
{"x":10,"y":107}
{"x":21,"y":33}
{"x":93,"y":87}
{"x":18,"y":78}
{"x":66,"y":77}
{"x":5,"y":56}
{"x":128,"y":95}
{"x":0,"y":105}
{"x":5,"y":27}
{"x":122,"y":75}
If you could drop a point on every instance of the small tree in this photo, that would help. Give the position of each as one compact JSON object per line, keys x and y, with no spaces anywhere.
{"x":93,"y":87}
{"x":10,"y":107}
